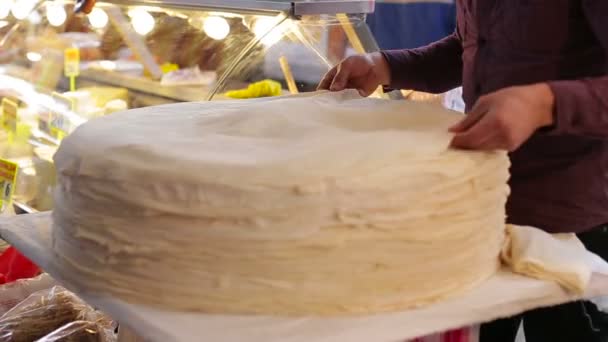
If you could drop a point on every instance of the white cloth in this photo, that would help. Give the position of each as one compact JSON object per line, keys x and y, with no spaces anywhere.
{"x":561,"y":258}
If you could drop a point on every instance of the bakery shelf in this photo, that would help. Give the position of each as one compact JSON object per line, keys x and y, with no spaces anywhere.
{"x":144,"y":85}
{"x":147,"y":86}
{"x":293,"y":8}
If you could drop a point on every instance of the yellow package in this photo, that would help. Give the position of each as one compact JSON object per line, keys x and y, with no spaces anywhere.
{"x":263,"y":88}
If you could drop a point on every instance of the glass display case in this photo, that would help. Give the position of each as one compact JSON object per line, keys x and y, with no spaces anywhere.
{"x":59,"y":69}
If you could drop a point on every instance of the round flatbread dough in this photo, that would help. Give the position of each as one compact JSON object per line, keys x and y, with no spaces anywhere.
{"x":323,"y":204}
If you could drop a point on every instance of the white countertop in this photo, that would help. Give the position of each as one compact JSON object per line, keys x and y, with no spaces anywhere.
{"x":503,"y":295}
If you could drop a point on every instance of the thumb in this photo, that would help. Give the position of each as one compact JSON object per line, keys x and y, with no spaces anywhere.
{"x":341,"y":78}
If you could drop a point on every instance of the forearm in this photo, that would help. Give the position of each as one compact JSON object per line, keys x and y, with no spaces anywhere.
{"x":435,"y":68}
{"x":581,"y":107}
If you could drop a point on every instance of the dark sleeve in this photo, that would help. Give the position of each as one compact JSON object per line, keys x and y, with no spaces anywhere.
{"x":435,"y":68}
{"x":581,"y":106}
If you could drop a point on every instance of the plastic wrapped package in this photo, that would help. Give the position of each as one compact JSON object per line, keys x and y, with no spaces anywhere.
{"x":27,"y":180}
{"x":36,"y":179}
{"x":103,"y":95}
{"x":18,"y":146}
{"x":263,"y":88}
{"x":46,"y":179}
{"x":13,"y":293}
{"x":81,"y":331}
{"x":42,"y":313}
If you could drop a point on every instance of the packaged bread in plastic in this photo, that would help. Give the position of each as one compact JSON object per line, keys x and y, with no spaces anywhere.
{"x":81,"y":331}
{"x":12,"y":294}
{"x":40,"y":314}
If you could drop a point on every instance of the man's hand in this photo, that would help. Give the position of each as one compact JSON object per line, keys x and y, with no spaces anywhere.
{"x":362,"y":72}
{"x":505,"y":119}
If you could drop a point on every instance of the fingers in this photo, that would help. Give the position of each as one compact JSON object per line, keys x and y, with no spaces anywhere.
{"x":367,"y":88}
{"x":491,"y":132}
{"x":354,"y":72}
{"x":478,"y":111}
{"x":341,"y":78}
{"x":479,"y":136}
{"x":499,"y":121}
{"x":328,"y":79}
{"x":336,"y":79}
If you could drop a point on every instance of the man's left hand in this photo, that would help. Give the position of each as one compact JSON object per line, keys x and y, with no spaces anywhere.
{"x":505,"y":119}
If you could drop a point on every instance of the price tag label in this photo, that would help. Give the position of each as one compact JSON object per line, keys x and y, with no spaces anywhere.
{"x":58,"y":124}
{"x":8,"y":179}
{"x":72,"y":62}
{"x":10,"y":108}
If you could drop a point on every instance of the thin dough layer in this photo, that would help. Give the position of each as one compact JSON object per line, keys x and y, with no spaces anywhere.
{"x":324,"y":205}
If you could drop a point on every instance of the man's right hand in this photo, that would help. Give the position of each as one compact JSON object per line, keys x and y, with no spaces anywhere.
{"x":362,"y":72}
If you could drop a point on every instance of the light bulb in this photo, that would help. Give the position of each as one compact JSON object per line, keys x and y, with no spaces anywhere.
{"x":33,"y":56}
{"x":21,"y":9}
{"x":142,"y":21}
{"x":55,"y":13}
{"x":216,"y":27}
{"x":34,"y":18}
{"x":98,"y":18}
{"x":5,"y":8}
{"x":267,"y":28}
